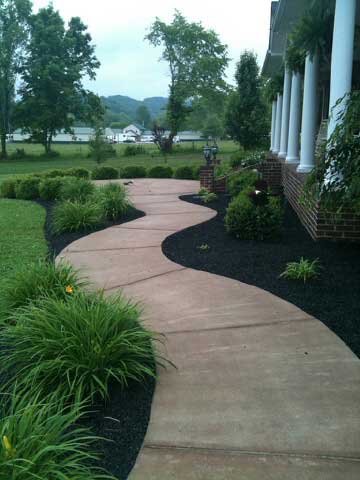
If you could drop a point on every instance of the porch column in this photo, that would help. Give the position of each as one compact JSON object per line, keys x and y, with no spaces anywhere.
{"x":294,"y":122}
{"x":278,"y":123}
{"x":273,"y":123}
{"x":342,"y":58}
{"x":285,"y":115}
{"x":309,"y":114}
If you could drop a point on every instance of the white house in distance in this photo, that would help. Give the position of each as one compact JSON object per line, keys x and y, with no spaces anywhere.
{"x":307,"y":108}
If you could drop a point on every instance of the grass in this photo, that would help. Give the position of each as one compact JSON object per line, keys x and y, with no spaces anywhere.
{"x":22,"y":238}
{"x":303,"y":270}
{"x":76,"y":156}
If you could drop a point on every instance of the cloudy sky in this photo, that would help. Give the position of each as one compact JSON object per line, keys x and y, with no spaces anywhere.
{"x":130,"y":66}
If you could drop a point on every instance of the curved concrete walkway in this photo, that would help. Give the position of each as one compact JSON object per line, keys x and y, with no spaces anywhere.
{"x":262,"y":390}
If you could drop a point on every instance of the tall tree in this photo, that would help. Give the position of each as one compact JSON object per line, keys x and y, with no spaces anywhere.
{"x":14,"y":15}
{"x":246,"y":119}
{"x":52,"y":93}
{"x":197,"y":61}
{"x":143,"y":116}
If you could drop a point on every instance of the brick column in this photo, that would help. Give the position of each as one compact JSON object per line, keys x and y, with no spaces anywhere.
{"x":207,"y":176}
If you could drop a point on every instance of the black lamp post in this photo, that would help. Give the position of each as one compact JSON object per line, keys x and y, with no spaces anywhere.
{"x":207,"y":154}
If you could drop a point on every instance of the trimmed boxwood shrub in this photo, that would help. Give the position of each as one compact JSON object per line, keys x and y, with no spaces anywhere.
{"x":196,"y":172}
{"x":49,"y":188}
{"x":104,"y":173}
{"x":56,"y":172}
{"x":239,"y":181}
{"x":184,"y":173}
{"x":76,"y":189}
{"x":133,"y":171}
{"x":160,"y":171}
{"x":27,"y":188}
{"x":78,"y":172}
{"x":77,"y":216}
{"x":7,"y":188}
{"x":247,"y":220}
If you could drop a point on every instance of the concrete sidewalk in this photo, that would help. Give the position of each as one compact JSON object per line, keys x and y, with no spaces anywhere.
{"x":261,"y":391}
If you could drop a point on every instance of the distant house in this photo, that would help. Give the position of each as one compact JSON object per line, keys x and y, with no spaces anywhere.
{"x":134,"y":130}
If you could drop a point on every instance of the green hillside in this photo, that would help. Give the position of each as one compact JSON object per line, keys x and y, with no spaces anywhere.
{"x":122,"y":109}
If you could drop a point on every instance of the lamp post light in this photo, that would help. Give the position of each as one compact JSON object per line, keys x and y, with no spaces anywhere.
{"x":214,"y":151}
{"x":207,"y":154}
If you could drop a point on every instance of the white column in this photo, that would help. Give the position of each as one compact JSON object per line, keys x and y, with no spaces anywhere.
{"x":285,"y":115}
{"x":309,"y":114}
{"x":273,"y":123}
{"x":294,"y":122}
{"x":342,"y":57}
{"x":278,"y":123}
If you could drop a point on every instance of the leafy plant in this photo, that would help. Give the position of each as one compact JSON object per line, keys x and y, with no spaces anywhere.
{"x":203,"y":191}
{"x":133,"y":150}
{"x":30,"y":283}
{"x":184,"y":173}
{"x":113,"y":199}
{"x":40,"y":440}
{"x":303,"y":270}
{"x":237,"y":182}
{"x":49,"y":188}
{"x":237,"y":158}
{"x":78,"y":347}
{"x":160,"y":171}
{"x":76,"y":189}
{"x":99,"y":147}
{"x":204,"y":247}
{"x":7,"y":188}
{"x":27,"y":188}
{"x":77,"y":216}
{"x":209,"y":197}
{"x":133,"y":171}
{"x":104,"y":173}
{"x":78,"y":172}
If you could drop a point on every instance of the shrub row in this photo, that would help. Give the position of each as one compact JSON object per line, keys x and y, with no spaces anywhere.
{"x":60,"y":350}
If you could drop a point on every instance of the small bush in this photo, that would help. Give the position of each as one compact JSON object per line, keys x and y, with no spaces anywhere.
{"x":40,"y":439}
{"x":8,"y":188}
{"x":241,"y":180}
{"x":248,"y":221}
{"x":237,"y":158}
{"x":209,"y":197}
{"x":49,"y":188}
{"x":203,"y":191}
{"x":104,"y":173}
{"x":133,"y":150}
{"x":184,"y":173}
{"x":196,"y":172}
{"x":28,"y":284}
{"x":76,"y":189}
{"x":303,"y":270}
{"x":160,"y":171}
{"x":77,"y":216}
{"x":27,"y":188}
{"x":78,"y":347}
{"x":133,"y":171}
{"x":56,"y":172}
{"x":19,"y":154}
{"x":78,"y":172}
{"x":51,"y":154}
{"x":113,"y":199}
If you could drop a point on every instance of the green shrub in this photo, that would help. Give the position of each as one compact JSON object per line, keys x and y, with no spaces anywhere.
{"x":27,"y":188}
{"x":248,"y":221}
{"x":77,"y":348}
{"x":196,"y":172}
{"x":237,"y":158}
{"x":303,"y":270}
{"x":113,"y":199}
{"x":77,"y":216}
{"x":40,"y":439}
{"x":184,"y":173}
{"x":49,"y":188}
{"x":133,"y":150}
{"x":133,"y":171}
{"x":240,"y":181}
{"x":160,"y":171}
{"x":7,"y":188}
{"x":19,"y":154}
{"x":78,"y":172}
{"x":76,"y":189}
{"x":209,"y":197}
{"x":203,"y":191}
{"x":28,"y":284}
{"x":104,"y":173}
{"x":56,"y":172}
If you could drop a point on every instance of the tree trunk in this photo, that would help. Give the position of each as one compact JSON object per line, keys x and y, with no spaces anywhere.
{"x":3,"y":146}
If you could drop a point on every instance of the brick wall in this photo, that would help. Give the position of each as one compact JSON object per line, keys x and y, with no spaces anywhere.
{"x":271,"y":172}
{"x":207,"y":174}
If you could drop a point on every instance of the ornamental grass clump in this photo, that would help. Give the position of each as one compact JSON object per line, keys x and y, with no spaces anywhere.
{"x":39,"y":440}
{"x":303,"y":270}
{"x":113,"y":199}
{"x":77,"y":216}
{"x":76,"y":189}
{"x":77,"y":348}
{"x":28,"y":284}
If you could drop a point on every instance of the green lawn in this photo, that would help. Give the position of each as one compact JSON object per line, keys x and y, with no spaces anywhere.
{"x":77,"y":156}
{"x":22,"y":237}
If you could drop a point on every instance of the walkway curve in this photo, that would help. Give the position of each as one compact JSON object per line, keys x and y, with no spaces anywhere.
{"x":262,"y":390}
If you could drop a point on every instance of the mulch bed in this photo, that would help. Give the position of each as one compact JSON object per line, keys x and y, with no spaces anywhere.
{"x":333,"y":298}
{"x":123,"y":420}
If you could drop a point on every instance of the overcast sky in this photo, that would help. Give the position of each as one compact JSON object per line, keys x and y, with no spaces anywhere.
{"x":130,"y":66}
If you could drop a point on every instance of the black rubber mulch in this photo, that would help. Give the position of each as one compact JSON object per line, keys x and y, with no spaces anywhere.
{"x":124,"y":418}
{"x":333,"y":298}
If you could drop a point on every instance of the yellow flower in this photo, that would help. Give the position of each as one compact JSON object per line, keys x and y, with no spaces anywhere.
{"x":69,"y":289}
{"x":10,"y":451}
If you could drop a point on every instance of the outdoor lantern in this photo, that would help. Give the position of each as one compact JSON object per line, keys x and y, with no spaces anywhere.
{"x":207,"y":154}
{"x":214,"y":150}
